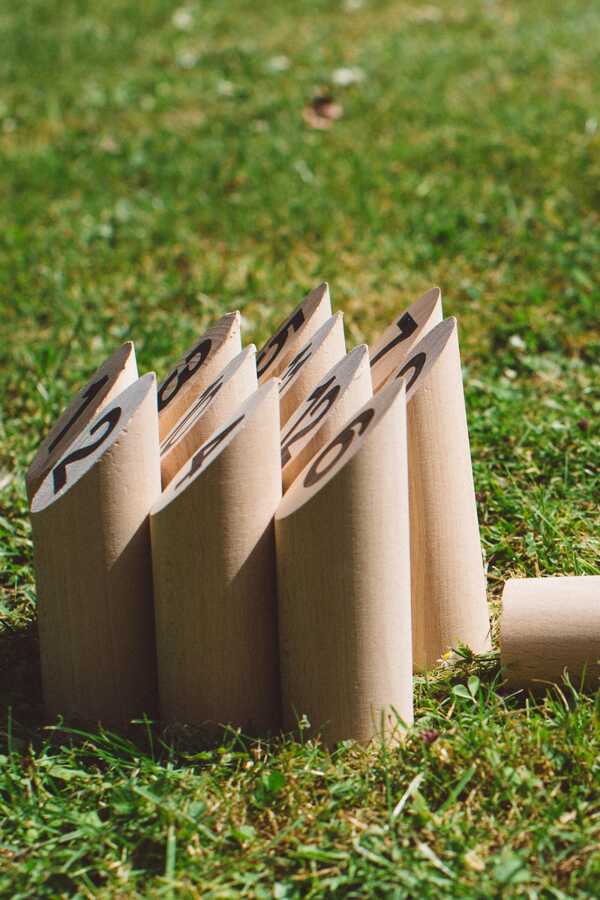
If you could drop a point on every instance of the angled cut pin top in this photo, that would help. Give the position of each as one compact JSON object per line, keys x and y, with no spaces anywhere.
{"x":325,"y":348}
{"x":341,"y":392}
{"x":193,"y":373}
{"x":391,"y":348}
{"x":112,"y":377}
{"x":297,"y":329}
{"x":231,"y":387}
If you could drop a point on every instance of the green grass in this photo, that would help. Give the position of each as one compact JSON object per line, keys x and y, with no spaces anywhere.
{"x":154,"y":176}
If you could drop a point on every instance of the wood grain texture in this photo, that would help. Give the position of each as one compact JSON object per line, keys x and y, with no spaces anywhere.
{"x":216,"y":403}
{"x":197,"y":369}
{"x":549,"y":626}
{"x":326,"y":347}
{"x":112,"y":377}
{"x":214,"y":575}
{"x":448,"y":580}
{"x":93,"y":566}
{"x":292,"y":334}
{"x":391,"y":348}
{"x":339,"y":394}
{"x":343,"y":565}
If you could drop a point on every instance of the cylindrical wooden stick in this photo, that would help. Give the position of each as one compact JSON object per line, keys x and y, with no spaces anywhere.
{"x":448,"y":580}
{"x":112,"y":377}
{"x":214,"y":575}
{"x":343,"y":570}
{"x":297,"y":329}
{"x":325,"y":348}
{"x":549,"y":626}
{"x":339,"y":394}
{"x":193,"y":373}
{"x":234,"y":385}
{"x":93,"y":566}
{"x":395,"y":343}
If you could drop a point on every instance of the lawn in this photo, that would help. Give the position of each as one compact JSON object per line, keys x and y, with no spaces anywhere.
{"x":159,"y":167}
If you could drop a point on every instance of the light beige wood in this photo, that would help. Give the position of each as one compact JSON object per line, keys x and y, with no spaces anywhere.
{"x":113,"y":376}
{"x":93,"y":566}
{"x":326,"y":347}
{"x":217,"y":402}
{"x":550,"y":626}
{"x":339,"y":394}
{"x":392,"y":347}
{"x":297,"y":329}
{"x":343,"y":567}
{"x":214,"y":575}
{"x":198,"y":368}
{"x":418,"y":363}
{"x":448,"y":580}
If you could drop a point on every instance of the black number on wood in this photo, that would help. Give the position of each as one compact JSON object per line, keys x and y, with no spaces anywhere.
{"x":206,"y":449}
{"x":88,"y":395}
{"x":416,"y":362}
{"x":180,"y":374}
{"x":323,"y":397}
{"x":294,"y":367}
{"x":278,"y":342}
{"x":201,"y":404}
{"x":110,"y":419}
{"x":344,"y":441}
{"x":407,"y":326}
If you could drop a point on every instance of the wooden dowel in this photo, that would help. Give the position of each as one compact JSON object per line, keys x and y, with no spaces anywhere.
{"x":93,"y":566}
{"x":113,"y":376}
{"x":550,"y":626}
{"x":296,"y":331}
{"x":343,"y":568}
{"x":197,"y":369}
{"x":326,"y":347}
{"x":391,"y":348}
{"x":340,"y":393}
{"x":215,"y":404}
{"x":448,"y":579}
{"x":214,"y":575}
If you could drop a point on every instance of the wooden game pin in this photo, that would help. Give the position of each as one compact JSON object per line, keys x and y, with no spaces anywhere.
{"x":297,"y":329}
{"x":193,"y":373}
{"x":550,"y":626}
{"x":339,"y":394}
{"x":343,"y":571}
{"x":234,"y":385}
{"x":326,"y":347}
{"x":394,"y":344}
{"x":213,"y":551}
{"x":448,"y":579}
{"x":113,"y":376}
{"x":93,"y":565}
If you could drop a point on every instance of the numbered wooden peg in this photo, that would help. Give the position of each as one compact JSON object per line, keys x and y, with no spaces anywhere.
{"x":339,"y":394}
{"x":448,"y":579}
{"x":113,"y":376}
{"x":217,"y":402}
{"x":214,"y":575}
{"x":326,"y":347}
{"x":193,"y":373}
{"x":297,"y":329}
{"x":93,"y":567}
{"x":394,"y":344}
{"x":343,"y":566}
{"x":549,"y":627}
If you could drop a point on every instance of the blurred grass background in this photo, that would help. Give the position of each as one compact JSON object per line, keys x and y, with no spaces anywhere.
{"x":160,"y":166}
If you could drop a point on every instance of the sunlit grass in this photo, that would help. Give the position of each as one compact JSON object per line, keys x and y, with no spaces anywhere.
{"x":157,"y":171}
